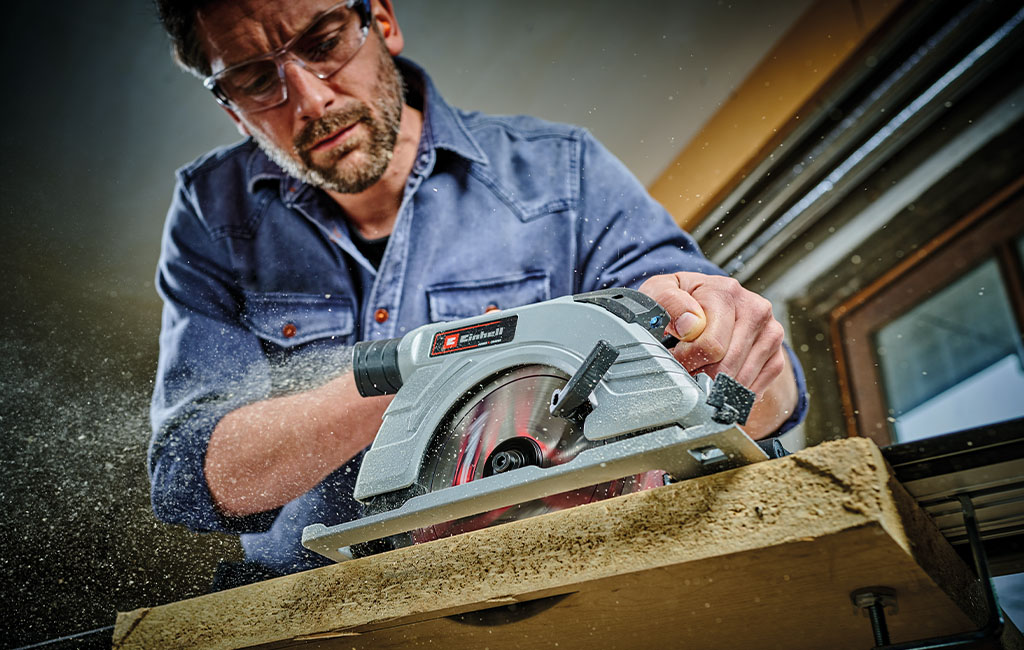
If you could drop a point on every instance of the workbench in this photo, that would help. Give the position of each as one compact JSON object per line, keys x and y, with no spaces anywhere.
{"x":763,"y":556}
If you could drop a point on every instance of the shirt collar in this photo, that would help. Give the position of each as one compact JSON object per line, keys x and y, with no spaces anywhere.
{"x":442,"y":124}
{"x":443,"y":128}
{"x":261,"y":169}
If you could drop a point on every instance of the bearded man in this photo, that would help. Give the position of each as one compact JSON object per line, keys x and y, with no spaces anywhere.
{"x":360,"y":206}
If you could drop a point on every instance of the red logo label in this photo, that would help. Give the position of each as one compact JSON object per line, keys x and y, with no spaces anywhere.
{"x":475,"y":336}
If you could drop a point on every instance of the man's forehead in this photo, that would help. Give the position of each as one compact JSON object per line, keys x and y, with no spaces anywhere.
{"x":235,"y":30}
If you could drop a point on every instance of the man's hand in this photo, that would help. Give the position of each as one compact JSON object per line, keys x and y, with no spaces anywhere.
{"x":726,"y":328}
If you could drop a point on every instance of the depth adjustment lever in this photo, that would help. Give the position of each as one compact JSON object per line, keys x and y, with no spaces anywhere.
{"x":572,"y":401}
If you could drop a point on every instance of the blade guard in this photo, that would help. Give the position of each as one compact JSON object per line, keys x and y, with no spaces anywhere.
{"x":644,"y":389}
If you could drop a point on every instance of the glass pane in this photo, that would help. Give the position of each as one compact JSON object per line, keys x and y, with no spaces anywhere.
{"x":953,"y":361}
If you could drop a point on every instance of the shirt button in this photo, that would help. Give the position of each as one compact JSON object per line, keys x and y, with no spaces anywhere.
{"x":381,"y":315}
{"x":490,"y":308}
{"x":289,"y":330}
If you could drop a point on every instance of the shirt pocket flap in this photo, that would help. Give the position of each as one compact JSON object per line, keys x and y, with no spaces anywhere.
{"x":290,"y":319}
{"x":454,"y":300}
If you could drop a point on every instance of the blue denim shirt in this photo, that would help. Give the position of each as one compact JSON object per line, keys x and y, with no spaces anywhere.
{"x":264,"y":291}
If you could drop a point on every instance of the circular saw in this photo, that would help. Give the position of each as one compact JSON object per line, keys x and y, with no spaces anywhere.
{"x":527,"y":411}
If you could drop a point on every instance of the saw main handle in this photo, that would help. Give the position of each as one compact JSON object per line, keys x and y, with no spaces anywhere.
{"x":375,"y":365}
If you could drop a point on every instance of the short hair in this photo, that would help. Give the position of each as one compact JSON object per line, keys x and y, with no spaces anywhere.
{"x":178,"y":18}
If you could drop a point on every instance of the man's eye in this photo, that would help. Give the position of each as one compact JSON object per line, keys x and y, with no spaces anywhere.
{"x":257,"y":83}
{"x":322,"y":48}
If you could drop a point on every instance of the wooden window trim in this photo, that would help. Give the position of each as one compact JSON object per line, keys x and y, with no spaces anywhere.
{"x":988,"y":231}
{"x":767,"y":106}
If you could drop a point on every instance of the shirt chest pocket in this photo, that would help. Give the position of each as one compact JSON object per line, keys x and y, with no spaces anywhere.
{"x":462,"y":299}
{"x":291,"y":319}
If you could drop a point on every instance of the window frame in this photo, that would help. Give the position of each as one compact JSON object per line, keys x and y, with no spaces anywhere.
{"x":990,"y":230}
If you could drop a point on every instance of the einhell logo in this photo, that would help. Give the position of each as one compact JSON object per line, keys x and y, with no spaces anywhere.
{"x":474,"y":336}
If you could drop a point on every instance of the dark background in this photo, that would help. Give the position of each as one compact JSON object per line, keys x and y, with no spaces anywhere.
{"x":96,"y":118}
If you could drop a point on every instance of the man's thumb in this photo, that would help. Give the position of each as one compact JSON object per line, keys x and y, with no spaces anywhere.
{"x":689,"y":326}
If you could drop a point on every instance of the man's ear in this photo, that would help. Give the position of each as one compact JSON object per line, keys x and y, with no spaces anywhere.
{"x":237,"y":120}
{"x":384,"y":16}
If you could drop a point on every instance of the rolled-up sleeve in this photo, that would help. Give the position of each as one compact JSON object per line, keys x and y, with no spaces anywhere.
{"x":635,"y":238}
{"x":209,"y":365}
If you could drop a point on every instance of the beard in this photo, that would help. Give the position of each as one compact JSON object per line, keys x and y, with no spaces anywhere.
{"x":382,"y":127}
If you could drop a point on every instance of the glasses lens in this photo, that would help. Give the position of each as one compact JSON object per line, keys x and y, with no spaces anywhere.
{"x":323,"y":48}
{"x":331,"y":41}
{"x":253,"y":84}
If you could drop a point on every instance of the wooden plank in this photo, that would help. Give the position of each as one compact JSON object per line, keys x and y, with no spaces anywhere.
{"x":762,"y":556}
{"x":766,"y":106}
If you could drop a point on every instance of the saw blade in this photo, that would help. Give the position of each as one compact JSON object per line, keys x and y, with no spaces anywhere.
{"x":508,"y":421}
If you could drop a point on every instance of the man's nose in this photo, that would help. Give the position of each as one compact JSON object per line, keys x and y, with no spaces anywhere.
{"x":311,"y":95}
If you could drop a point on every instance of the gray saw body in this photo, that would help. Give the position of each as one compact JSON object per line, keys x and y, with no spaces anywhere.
{"x":641,"y":409}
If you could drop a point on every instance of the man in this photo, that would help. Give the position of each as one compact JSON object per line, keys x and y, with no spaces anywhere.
{"x":362,"y":206}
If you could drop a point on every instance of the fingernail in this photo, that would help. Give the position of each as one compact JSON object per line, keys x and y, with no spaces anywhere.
{"x":685,"y":324}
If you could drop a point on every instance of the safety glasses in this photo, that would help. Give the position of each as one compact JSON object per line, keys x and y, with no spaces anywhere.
{"x":323,"y":48}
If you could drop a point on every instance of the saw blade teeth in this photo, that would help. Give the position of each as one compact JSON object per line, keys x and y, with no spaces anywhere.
{"x":513,"y":404}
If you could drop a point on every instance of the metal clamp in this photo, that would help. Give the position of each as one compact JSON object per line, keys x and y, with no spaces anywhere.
{"x":873,"y":600}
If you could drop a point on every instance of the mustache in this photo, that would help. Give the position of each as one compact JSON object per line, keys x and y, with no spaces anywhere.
{"x":329,"y":124}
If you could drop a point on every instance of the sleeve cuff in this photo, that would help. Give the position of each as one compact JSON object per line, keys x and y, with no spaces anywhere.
{"x":179,"y":492}
{"x":797,"y":416}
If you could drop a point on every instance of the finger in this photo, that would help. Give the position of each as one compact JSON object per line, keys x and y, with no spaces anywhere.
{"x":771,"y":370}
{"x":687,"y":318}
{"x":741,"y":342}
{"x":707,"y":350}
{"x":765,"y":347}
{"x":757,"y":338}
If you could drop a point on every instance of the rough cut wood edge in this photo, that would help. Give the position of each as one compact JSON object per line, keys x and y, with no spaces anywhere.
{"x":820,"y":491}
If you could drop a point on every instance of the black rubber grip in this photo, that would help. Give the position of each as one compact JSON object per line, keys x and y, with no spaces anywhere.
{"x":631,"y":306}
{"x":375,"y":364}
